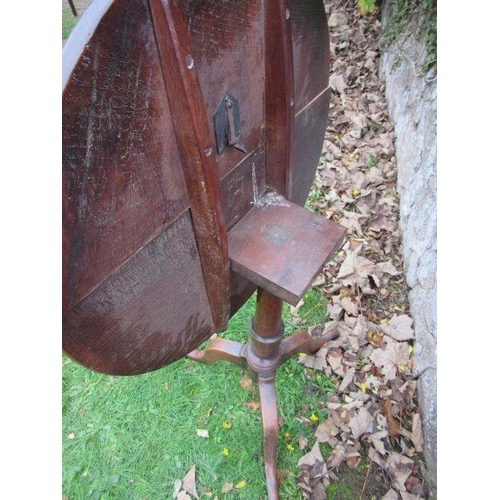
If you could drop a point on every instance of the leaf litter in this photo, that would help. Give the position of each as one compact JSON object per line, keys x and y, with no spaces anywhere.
{"x":374,"y":414}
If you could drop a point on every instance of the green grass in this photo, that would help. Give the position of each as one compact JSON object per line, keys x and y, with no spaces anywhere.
{"x":68,"y":21}
{"x":133,"y":437}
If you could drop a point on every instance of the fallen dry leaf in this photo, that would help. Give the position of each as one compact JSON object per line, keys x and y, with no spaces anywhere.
{"x":189,"y":482}
{"x":350,"y":303}
{"x":377,"y":440}
{"x":352,"y":459}
{"x":393,"y":426}
{"x":355,"y":265}
{"x":389,"y":357}
{"x":314,"y":463}
{"x":399,"y":468}
{"x":326,"y":432}
{"x":391,"y":495}
{"x":416,"y":433}
{"x":337,"y":83}
{"x":399,"y":328}
{"x":361,"y":423}
{"x":246,"y":383}
{"x":337,"y":19}
{"x":294,"y":310}
{"x":226,"y":487}
{"x":375,"y":338}
{"x":177,"y":488}
{"x":337,"y":456}
{"x":303,"y":442}
{"x":253,"y":405}
{"x":315,"y":361}
{"x":347,"y":379}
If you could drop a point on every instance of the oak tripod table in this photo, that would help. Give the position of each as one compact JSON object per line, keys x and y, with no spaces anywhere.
{"x":191,"y":135}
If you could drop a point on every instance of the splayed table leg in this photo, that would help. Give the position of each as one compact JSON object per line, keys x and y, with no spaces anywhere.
{"x":270,"y":434}
{"x":262,"y":356}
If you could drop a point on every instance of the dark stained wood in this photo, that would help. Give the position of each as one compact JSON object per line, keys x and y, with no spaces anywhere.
{"x":227,"y":40}
{"x":311,"y":63}
{"x":309,"y":129}
{"x":138,"y":171}
{"x":150,"y":313}
{"x":197,"y":148}
{"x":73,"y":9}
{"x":75,"y":45}
{"x":241,"y":290}
{"x":122,"y":178}
{"x":310,"y":66}
{"x":228,"y":46}
{"x":281,"y":246}
{"x":307,"y":146}
{"x":297,"y":65}
{"x":311,"y":50}
{"x":243,"y":186}
{"x":270,"y":428}
{"x":279,"y":95}
{"x":266,"y":332}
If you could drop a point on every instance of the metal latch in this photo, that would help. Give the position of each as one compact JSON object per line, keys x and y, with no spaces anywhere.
{"x":227,"y":125}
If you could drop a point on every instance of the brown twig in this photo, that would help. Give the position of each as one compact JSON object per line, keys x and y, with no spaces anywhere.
{"x":366,"y":478}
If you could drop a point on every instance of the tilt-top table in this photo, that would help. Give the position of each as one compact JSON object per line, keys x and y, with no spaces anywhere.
{"x":191,"y":135}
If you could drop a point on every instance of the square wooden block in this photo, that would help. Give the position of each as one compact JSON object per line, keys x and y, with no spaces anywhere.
{"x":282,"y":247}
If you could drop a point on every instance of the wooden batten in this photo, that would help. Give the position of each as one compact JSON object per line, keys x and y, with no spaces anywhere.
{"x":279,"y":95}
{"x":197,"y":151}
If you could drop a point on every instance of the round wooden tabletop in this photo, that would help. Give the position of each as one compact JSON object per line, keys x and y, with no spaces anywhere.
{"x":178,"y":116}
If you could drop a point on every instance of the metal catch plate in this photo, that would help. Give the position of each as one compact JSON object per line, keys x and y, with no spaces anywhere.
{"x":227,"y":124}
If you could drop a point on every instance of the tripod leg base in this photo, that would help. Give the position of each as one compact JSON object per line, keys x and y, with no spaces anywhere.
{"x":261,"y":358}
{"x":270,"y":434}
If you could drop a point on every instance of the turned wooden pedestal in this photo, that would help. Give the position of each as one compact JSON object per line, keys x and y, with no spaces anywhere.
{"x":281,"y":247}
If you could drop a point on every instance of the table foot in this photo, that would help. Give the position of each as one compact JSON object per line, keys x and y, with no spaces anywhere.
{"x":221,"y":350}
{"x":304,"y":342}
{"x":270,"y":434}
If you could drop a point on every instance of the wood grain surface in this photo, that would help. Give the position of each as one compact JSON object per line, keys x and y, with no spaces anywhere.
{"x":281,"y":246}
{"x":147,"y":200}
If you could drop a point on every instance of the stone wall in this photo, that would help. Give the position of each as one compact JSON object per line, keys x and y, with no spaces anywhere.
{"x":412,"y":105}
